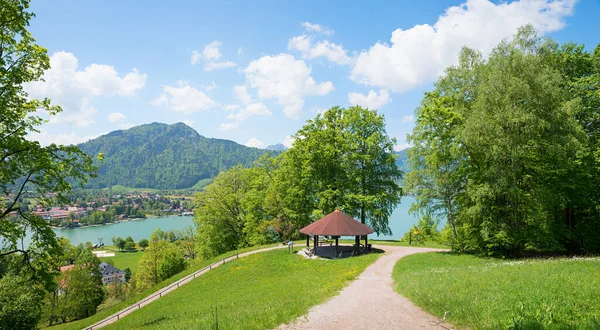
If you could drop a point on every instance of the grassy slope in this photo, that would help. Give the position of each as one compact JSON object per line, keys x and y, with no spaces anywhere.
{"x":258,"y":292}
{"x":492,"y":294}
{"x":197,"y":265}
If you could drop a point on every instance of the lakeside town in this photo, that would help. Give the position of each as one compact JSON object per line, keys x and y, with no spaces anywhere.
{"x":97,"y":207}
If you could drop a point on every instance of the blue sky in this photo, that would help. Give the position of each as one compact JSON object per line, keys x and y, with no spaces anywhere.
{"x":255,"y":71}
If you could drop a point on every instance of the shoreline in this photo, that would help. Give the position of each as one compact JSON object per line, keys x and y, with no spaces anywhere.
{"x":114,"y":223}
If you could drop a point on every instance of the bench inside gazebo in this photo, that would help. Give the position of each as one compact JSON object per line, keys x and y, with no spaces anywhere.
{"x":334,"y":225}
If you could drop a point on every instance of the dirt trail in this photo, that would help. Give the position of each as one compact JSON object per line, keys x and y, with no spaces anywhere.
{"x":370,"y":302}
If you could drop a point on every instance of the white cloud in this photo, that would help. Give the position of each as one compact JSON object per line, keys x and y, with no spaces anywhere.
{"x":231,"y":107}
{"x":211,"y":87}
{"x":401,"y":146}
{"x":285,"y":79}
{"x":316,"y":28}
{"x":74,"y":89}
{"x":288,"y":141}
{"x":332,"y":52}
{"x":61,"y":138}
{"x":300,"y":43}
{"x":211,"y":51}
{"x":254,"y":109}
{"x":115,"y":117}
{"x":240,"y":51}
{"x":195,"y":57}
{"x":211,"y":55}
{"x":408,"y":119}
{"x":254,"y":143}
{"x":189,"y":122}
{"x":184,"y":98}
{"x":210,"y":66}
{"x":228,"y":126}
{"x":420,"y":54}
{"x":371,"y":100}
{"x":241,"y":93}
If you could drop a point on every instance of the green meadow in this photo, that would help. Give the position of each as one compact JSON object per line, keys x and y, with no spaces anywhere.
{"x":260,"y":291}
{"x":478,"y":293}
{"x":196,"y":265}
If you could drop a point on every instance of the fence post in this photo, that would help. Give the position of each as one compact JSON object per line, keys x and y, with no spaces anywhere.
{"x":118,"y":317}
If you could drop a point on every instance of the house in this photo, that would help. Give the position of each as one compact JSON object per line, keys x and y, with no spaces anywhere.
{"x":110,"y":274}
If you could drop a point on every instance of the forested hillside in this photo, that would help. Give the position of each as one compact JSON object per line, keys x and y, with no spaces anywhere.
{"x":163,"y":156}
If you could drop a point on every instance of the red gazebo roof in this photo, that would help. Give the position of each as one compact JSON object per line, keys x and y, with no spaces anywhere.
{"x":336,"y":223}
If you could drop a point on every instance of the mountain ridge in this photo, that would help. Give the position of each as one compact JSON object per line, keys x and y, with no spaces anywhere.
{"x":163,"y":156}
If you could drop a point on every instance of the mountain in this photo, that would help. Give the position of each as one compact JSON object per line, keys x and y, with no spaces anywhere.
{"x":277,"y":147}
{"x":402,"y":160}
{"x":163,"y":156}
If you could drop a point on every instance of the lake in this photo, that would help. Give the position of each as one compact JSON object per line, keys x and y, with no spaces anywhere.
{"x":400,"y":222}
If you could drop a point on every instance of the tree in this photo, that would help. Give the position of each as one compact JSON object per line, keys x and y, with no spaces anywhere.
{"x":143,"y":243}
{"x":148,"y":266}
{"x":231,"y":212}
{"x":502,"y":148}
{"x":82,"y":286}
{"x":20,"y":303}
{"x":119,"y":243}
{"x":27,"y":165}
{"x":127,"y":274}
{"x":129,"y":246}
{"x":343,"y":159}
{"x":129,"y":239}
{"x":172,"y":262}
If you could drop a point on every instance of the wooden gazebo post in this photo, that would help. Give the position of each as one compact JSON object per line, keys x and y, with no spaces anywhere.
{"x":316,"y":239}
{"x":308,"y":241}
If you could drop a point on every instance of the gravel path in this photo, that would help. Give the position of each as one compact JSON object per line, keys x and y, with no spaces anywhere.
{"x":174,"y":286}
{"x":370,"y":302}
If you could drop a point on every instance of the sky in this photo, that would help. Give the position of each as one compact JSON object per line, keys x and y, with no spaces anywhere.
{"x":255,"y":71}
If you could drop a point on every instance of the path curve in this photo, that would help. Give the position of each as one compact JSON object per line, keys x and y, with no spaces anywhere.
{"x":370,"y":302}
{"x":171,"y":287}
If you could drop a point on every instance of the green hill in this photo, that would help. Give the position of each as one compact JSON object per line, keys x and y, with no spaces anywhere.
{"x":163,"y":156}
{"x":402,"y":160}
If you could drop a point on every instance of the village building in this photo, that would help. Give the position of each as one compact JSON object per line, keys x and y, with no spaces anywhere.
{"x":111,"y":274}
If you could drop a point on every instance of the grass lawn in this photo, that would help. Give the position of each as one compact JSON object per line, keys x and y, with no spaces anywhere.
{"x":124,"y":260}
{"x":482,"y":293}
{"x":260,"y":291}
{"x":196,"y":265}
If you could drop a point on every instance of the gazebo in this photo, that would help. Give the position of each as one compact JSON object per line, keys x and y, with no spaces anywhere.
{"x":336,"y":224}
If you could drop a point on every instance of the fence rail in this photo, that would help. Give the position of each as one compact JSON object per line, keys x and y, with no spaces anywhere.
{"x":145,"y":301}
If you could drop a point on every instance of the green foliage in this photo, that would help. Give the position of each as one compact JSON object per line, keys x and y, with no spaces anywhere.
{"x":483,"y":293}
{"x":160,"y":261}
{"x":130,"y":246}
{"x":230,"y":213}
{"x":342,"y":159}
{"x":143,"y":243}
{"x":27,"y":167}
{"x":265,"y":304}
{"x":502,"y":149}
{"x":424,"y":230}
{"x":164,"y":157}
{"x":20,"y":303}
{"x":127,"y":274}
{"x":119,"y":243}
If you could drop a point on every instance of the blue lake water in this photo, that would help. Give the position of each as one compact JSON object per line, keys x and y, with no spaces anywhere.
{"x":400,"y":222}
